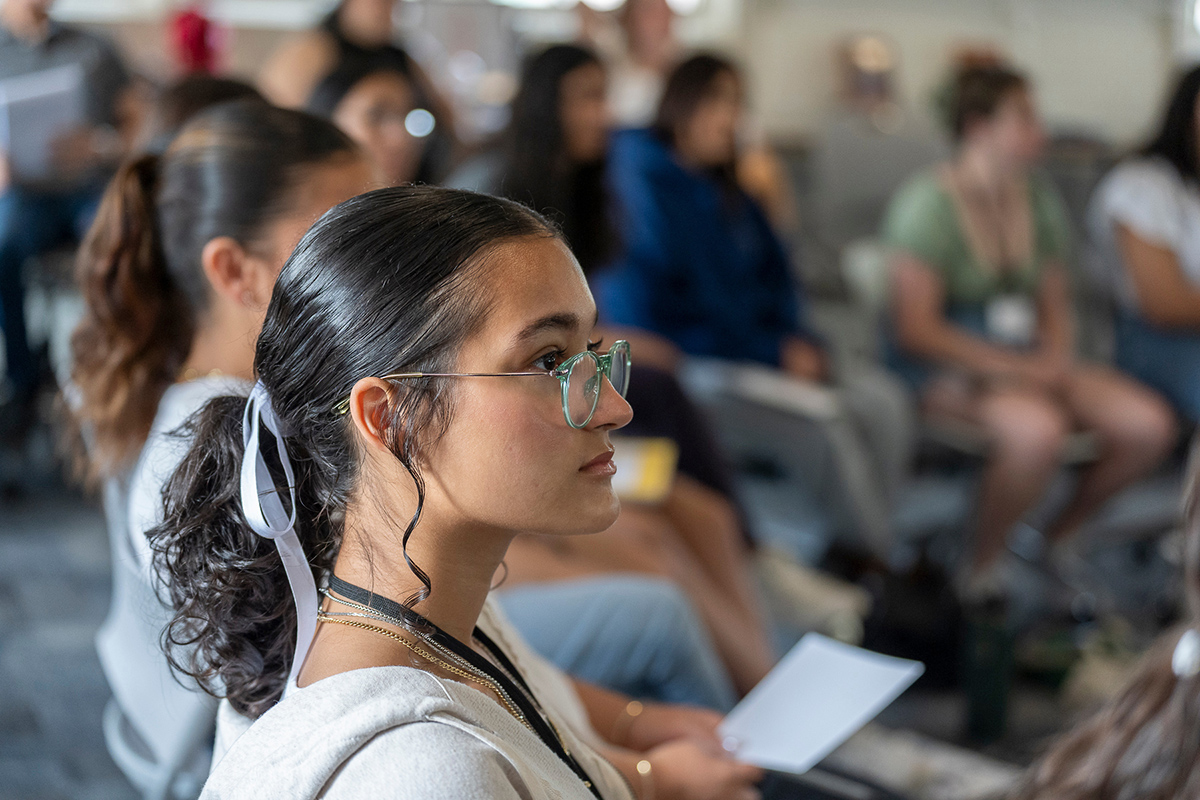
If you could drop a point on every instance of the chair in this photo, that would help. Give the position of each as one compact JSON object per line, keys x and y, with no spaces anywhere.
{"x":158,"y":727}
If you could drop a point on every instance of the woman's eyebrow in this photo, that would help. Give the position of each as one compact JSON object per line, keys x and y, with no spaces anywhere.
{"x":563,"y":321}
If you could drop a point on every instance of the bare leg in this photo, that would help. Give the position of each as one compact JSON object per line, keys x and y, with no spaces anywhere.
{"x":709,"y":527}
{"x":1027,"y":431}
{"x":1136,"y":429}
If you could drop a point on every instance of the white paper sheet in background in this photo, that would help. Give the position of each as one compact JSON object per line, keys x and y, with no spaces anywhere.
{"x":818,"y":695}
{"x":34,"y":110}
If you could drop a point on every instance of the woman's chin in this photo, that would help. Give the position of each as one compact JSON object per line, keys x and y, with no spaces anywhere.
{"x":595,"y":519}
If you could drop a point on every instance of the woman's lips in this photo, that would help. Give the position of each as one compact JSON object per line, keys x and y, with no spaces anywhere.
{"x":600,"y":465}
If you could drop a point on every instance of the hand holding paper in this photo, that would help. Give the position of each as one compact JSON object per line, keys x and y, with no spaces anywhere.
{"x":815,"y":698}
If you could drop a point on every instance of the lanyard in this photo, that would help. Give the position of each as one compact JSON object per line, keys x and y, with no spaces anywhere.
{"x":516,"y":686}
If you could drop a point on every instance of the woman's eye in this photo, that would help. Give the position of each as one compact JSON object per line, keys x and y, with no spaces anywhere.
{"x":550,"y":361}
{"x":595,"y":346}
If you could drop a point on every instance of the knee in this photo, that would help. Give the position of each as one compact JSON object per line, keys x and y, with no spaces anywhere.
{"x":1031,"y":431}
{"x":1144,"y":424}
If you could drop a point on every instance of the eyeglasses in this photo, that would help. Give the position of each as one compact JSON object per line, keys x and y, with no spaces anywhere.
{"x":580,"y":376}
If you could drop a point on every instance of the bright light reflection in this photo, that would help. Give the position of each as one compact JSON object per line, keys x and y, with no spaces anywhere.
{"x":419,"y":123}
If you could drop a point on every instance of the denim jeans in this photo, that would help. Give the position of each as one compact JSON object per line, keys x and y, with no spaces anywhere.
{"x":1165,"y":360}
{"x":628,"y":633}
{"x":32,"y":223}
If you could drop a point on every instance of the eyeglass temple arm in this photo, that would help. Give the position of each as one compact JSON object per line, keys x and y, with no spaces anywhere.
{"x":399,"y":375}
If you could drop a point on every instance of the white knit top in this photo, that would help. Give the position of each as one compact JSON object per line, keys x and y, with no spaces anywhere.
{"x":399,"y":732}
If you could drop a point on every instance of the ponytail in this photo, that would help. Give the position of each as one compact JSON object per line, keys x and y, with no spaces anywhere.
{"x":235,"y":621}
{"x":137,"y":326}
{"x":231,"y":171}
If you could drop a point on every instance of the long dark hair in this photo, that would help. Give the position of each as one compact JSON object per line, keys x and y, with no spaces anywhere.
{"x":1146,"y":742}
{"x":231,"y":171}
{"x":390,"y":281}
{"x":537,"y":170}
{"x":1176,"y":140}
{"x":689,"y":85}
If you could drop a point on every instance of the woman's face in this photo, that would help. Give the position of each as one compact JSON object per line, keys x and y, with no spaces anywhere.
{"x":709,"y":137}
{"x":1015,"y":131}
{"x":583,"y":110}
{"x":509,"y":460}
{"x":373,"y":114}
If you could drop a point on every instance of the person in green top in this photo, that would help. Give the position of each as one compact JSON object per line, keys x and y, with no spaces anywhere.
{"x":982,"y":325}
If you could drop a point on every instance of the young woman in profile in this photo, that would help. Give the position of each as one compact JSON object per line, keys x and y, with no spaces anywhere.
{"x":427,"y":389}
{"x":176,"y":272}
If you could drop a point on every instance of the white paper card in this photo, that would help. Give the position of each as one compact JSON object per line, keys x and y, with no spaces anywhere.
{"x":34,"y":110}
{"x":812,"y":701}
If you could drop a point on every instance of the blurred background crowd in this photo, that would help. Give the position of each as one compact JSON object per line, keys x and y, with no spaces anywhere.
{"x":913,"y":292}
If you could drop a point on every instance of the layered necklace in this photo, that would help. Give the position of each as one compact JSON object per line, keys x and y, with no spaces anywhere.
{"x":438,"y":647}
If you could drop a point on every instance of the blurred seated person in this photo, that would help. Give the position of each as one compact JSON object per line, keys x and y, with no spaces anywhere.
{"x":1144,"y":742}
{"x":363,"y":31}
{"x":384,"y":112}
{"x":1144,"y":223}
{"x":552,"y":158}
{"x":982,"y":321}
{"x":178,"y":102}
{"x":176,"y":272}
{"x":43,"y":207}
{"x":701,"y":267}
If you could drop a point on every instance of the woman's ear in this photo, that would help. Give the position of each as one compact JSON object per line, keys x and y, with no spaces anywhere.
{"x":229,"y":270}
{"x":370,"y":408}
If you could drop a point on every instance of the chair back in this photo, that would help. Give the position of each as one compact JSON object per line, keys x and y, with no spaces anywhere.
{"x":169,"y":714}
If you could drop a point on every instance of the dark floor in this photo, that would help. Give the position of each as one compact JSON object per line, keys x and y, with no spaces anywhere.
{"x":54,"y":592}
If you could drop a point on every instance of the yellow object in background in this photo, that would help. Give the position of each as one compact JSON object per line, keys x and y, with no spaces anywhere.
{"x":645,"y":468}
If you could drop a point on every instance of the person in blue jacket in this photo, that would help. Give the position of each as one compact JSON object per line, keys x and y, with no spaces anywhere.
{"x":702,"y":267}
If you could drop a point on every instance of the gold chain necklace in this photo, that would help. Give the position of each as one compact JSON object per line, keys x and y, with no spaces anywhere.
{"x":369,"y":612}
{"x":475,"y":673}
{"x":472,"y":675}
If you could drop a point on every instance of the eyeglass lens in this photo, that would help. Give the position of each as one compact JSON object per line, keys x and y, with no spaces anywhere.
{"x":619,"y":374}
{"x":583,"y":390}
{"x":584,"y":382}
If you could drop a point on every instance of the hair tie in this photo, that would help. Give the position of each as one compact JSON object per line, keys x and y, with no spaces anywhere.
{"x":266,"y":516}
{"x":1185,"y":663}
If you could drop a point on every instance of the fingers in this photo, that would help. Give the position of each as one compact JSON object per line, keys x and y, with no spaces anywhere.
{"x":748,"y":772}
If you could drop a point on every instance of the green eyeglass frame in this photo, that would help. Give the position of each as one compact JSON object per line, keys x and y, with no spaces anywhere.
{"x":580,"y":378}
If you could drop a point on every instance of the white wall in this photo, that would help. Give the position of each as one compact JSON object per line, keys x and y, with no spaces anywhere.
{"x":1098,"y":65}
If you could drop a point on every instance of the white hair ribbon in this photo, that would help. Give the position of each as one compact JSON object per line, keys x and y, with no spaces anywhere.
{"x":1185,"y":661}
{"x":265,"y":513}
